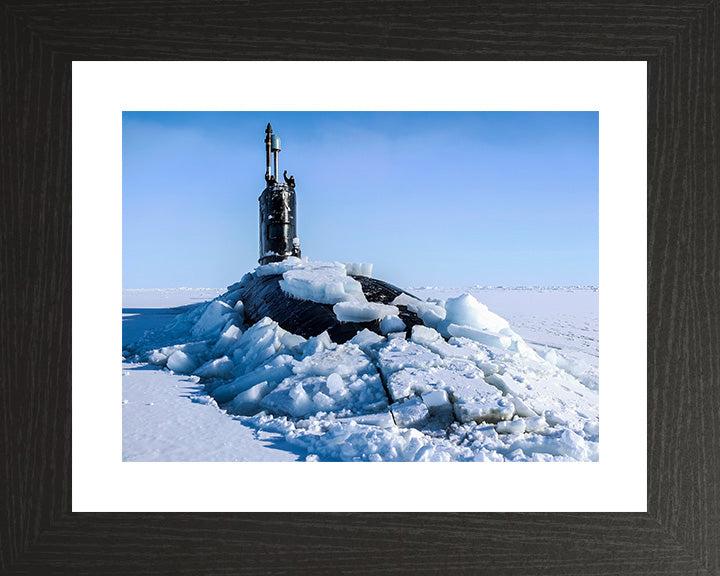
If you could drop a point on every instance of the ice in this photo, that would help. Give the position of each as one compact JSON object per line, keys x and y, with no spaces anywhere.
{"x":381,"y":419}
{"x":535,"y":424}
{"x":181,"y":362}
{"x":325,"y":283}
{"x":511,"y":426}
{"x":354,"y":311}
{"x":465,"y":387}
{"x":391,"y":323}
{"x":278,"y":267}
{"x":212,"y":320}
{"x":408,"y":381}
{"x":465,"y":310}
{"x":410,"y":413}
{"x":366,"y":338}
{"x":456,"y":348}
{"x":217,"y":368}
{"x":273,"y":372}
{"x":472,"y":397}
{"x":257,"y":345}
{"x":247,"y":403}
{"x":398,"y":354}
{"x":329,"y":379}
{"x":301,"y":394}
{"x":334,"y":383}
{"x":483,"y":409}
{"x":437,"y":401}
{"x":344,"y":360}
{"x":583,"y":371}
{"x":227,"y":339}
{"x":431,"y":314}
{"x":157,"y":358}
{"x":359,"y":269}
{"x":492,"y":340}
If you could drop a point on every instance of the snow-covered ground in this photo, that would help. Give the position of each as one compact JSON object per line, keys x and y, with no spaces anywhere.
{"x":518,"y":383}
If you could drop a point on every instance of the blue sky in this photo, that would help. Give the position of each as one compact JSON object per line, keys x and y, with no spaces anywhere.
{"x":430,"y":198}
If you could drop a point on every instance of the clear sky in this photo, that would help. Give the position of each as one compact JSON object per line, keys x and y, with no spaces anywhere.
{"x":430,"y":198}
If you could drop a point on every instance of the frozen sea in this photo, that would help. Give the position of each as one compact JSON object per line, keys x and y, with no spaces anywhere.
{"x":169,"y":415}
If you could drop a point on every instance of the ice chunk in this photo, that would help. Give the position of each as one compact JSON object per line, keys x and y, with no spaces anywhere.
{"x":258,"y":344}
{"x":354,"y":311}
{"x":218,"y":368}
{"x":391,"y":324}
{"x":344,"y":360}
{"x":511,"y":426}
{"x":226,"y":340}
{"x":380,"y":419}
{"x":431,"y":314}
{"x":248,"y":403}
{"x":398,"y":354}
{"x":318,"y":343}
{"x":157,"y":358}
{"x":323,"y":283}
{"x":408,"y":381}
{"x":484,"y":410}
{"x":535,"y":424}
{"x":335,"y":384}
{"x":437,"y":402}
{"x":411,"y":413}
{"x":301,"y":401}
{"x":278,"y":267}
{"x":456,"y":348}
{"x":366,"y":338}
{"x":273,"y":372}
{"x":521,"y":409}
{"x":465,"y":310}
{"x":359,"y":269}
{"x":239,"y":309}
{"x":329,"y":381}
{"x":181,"y":362}
{"x":290,"y":341}
{"x":492,"y":340}
{"x":212,"y":320}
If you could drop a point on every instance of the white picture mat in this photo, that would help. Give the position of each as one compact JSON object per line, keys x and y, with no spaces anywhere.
{"x":103,"y":90}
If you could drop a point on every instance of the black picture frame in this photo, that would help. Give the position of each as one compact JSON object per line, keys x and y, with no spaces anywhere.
{"x":680,"y":533}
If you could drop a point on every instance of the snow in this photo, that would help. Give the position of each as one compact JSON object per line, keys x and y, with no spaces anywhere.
{"x":167,"y":417}
{"x":464,"y":387}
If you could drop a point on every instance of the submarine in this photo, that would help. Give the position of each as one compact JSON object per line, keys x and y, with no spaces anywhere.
{"x":262,"y":295}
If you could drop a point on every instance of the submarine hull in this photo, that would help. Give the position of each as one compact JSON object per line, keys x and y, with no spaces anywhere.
{"x":262,"y":296}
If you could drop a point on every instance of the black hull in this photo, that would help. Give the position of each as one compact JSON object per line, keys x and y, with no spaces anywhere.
{"x":262,"y":296}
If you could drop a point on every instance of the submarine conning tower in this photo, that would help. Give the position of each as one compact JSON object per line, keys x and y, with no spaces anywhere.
{"x":278,"y":216}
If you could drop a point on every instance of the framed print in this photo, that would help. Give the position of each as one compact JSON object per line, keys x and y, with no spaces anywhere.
{"x":581,"y":99}
{"x":678,"y":529}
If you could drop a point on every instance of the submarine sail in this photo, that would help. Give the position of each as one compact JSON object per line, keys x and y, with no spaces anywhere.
{"x":278,"y":214}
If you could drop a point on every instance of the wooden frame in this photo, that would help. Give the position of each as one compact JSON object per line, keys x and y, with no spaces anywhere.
{"x":680,"y":533}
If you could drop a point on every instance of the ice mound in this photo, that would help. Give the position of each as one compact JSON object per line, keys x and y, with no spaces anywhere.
{"x":464,"y":386}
